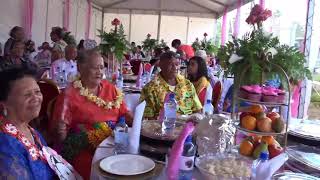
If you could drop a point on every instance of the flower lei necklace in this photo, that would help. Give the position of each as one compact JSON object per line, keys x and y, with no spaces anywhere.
{"x":97,"y":100}
{"x":33,"y":150}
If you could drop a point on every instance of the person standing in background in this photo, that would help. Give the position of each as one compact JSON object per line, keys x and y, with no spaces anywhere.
{"x":140,"y":52}
{"x":57,"y":35}
{"x":186,"y":49}
{"x":16,"y":34}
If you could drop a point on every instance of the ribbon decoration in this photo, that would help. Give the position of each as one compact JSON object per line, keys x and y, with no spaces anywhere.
{"x":88,"y":19}
{"x":236,"y":25}
{"x":66,"y":15}
{"x":224,"y":26}
{"x":27,"y":17}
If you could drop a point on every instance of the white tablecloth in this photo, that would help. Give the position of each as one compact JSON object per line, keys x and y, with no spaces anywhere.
{"x":106,"y":152}
{"x":100,"y":154}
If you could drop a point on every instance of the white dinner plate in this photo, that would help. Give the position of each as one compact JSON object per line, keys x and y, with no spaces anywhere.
{"x":127,"y":164}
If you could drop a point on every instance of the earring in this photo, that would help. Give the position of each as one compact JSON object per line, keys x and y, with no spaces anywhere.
{"x":5,"y":112}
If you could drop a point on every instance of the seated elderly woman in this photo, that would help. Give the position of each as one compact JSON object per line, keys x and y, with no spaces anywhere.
{"x":21,"y":146}
{"x":88,"y":103}
{"x":168,"y":81}
{"x":198,"y":75}
{"x":15,"y":58}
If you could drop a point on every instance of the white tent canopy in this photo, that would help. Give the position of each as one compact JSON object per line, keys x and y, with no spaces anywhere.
{"x":163,"y":19}
{"x":192,"y":7}
{"x":166,"y":19}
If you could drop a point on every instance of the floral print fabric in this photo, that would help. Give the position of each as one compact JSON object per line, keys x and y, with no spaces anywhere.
{"x":155,"y":92}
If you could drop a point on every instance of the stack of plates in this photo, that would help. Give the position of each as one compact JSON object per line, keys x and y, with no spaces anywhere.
{"x":293,"y":176}
{"x":131,"y":89}
{"x":308,"y":129}
{"x":304,"y":159}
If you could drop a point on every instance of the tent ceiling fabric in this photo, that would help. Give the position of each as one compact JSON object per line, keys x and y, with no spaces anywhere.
{"x":215,"y":7}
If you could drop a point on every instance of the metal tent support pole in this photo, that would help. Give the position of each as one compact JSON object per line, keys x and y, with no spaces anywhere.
{"x":307,"y":46}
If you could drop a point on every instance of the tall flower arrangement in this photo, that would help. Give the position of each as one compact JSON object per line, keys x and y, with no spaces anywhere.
{"x":162,"y":44}
{"x":205,"y":44}
{"x":257,"y":49}
{"x":114,"y":42}
{"x":149,"y":43}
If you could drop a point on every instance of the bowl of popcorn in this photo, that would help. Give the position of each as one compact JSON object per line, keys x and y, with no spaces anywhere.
{"x":224,"y":166}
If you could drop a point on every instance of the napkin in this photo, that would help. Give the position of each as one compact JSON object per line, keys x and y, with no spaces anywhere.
{"x":176,"y":151}
{"x":266,"y":170}
{"x":208,"y":93}
{"x":138,"y":82}
{"x":134,"y":138}
{"x":150,"y":73}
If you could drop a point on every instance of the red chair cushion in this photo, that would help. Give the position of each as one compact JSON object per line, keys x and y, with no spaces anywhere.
{"x":217,"y":91}
{"x":49,"y":92}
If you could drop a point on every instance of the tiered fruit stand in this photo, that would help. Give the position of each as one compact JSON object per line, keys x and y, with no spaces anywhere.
{"x":236,"y":103}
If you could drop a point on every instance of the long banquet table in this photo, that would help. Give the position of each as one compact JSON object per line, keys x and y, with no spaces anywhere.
{"x":104,"y":152}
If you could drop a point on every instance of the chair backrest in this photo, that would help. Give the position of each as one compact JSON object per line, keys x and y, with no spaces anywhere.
{"x":50,"y":91}
{"x":135,"y":66}
{"x":217,"y":91}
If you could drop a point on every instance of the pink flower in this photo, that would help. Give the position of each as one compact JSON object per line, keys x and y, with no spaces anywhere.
{"x":265,"y":15}
{"x":258,"y":14}
{"x":205,"y":34}
{"x":256,"y":10}
{"x":251,"y":19}
{"x":115,"y":22}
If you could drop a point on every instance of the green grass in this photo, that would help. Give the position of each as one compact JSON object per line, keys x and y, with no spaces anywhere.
{"x":315,"y":97}
{"x":316,"y":77}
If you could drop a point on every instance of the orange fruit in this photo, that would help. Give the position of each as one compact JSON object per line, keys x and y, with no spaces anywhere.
{"x":256,"y":108}
{"x":268,"y":140}
{"x":246,"y":148}
{"x":249,"y":122}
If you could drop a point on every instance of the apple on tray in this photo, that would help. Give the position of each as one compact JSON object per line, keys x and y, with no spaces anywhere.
{"x":273,"y":115}
{"x":274,"y":150}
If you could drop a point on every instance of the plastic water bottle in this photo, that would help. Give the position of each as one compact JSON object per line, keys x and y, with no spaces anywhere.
{"x":119,"y":81}
{"x":121,"y":137}
{"x":170,"y":116}
{"x":263,"y":158}
{"x":208,"y":108}
{"x":187,"y":160}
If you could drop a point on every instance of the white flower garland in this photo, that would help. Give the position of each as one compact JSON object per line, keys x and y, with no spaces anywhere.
{"x":97,"y":100}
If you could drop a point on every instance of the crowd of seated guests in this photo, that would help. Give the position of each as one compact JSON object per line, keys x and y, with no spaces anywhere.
{"x":76,"y":107}
{"x":21,"y":146}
